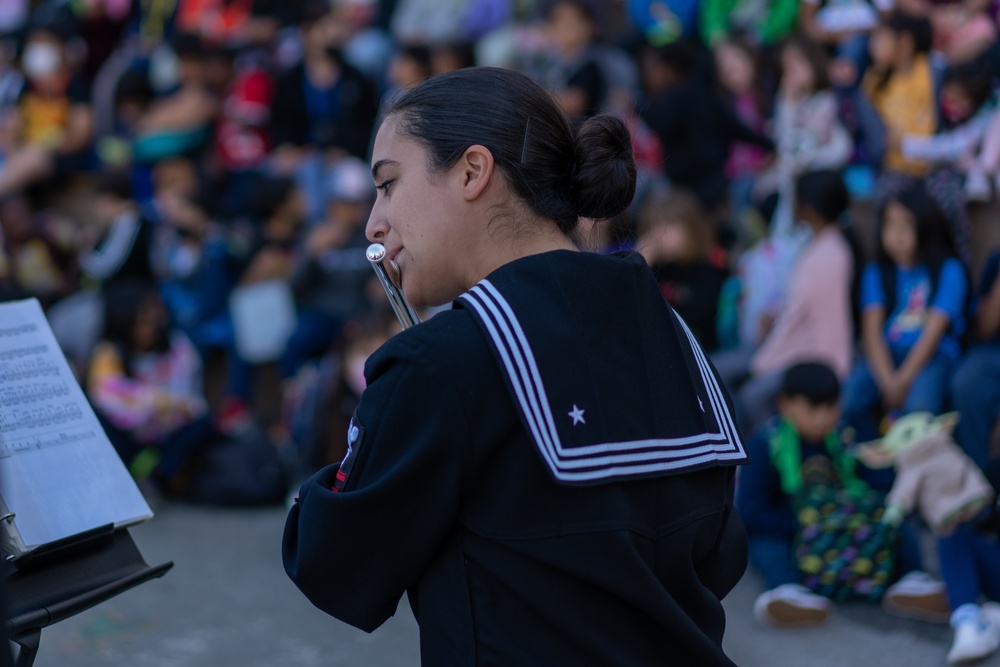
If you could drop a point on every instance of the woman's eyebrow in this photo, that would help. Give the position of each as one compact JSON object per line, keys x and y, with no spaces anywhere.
{"x":378,"y":165}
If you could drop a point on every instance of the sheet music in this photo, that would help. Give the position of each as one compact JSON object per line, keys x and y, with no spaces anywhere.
{"x":60,"y":474}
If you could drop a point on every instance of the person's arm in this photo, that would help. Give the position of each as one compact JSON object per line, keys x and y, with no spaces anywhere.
{"x":354,"y":552}
{"x":188,"y":109}
{"x":738,"y":131}
{"x":763,"y":506}
{"x":79,"y":130}
{"x":988,"y":316}
{"x":945,"y":146}
{"x":948,"y":304}
{"x":873,"y":316}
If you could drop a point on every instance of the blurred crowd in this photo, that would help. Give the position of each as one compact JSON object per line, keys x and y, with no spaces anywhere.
{"x":184,"y":186}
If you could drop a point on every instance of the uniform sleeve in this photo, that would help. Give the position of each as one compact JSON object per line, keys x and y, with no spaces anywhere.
{"x":872,"y":293}
{"x":949,"y":297}
{"x":353,"y":553}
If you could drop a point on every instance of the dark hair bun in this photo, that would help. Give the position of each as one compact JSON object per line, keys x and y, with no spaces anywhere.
{"x":604,"y":173}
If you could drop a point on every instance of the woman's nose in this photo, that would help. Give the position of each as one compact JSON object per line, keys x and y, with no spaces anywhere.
{"x":376,"y":228}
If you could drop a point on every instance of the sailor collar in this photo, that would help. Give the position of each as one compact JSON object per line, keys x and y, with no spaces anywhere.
{"x":603,"y":388}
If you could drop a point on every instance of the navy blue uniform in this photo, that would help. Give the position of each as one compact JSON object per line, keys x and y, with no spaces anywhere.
{"x":547,"y":470}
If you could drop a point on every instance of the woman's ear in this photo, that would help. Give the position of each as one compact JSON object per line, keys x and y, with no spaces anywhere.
{"x":476,"y":171}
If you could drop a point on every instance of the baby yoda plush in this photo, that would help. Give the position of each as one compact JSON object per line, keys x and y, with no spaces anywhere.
{"x":933,"y":475}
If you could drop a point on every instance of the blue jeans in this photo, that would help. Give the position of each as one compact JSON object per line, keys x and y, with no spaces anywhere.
{"x":772,"y":556}
{"x":970,"y":565}
{"x":975,"y":394}
{"x":862,"y":396}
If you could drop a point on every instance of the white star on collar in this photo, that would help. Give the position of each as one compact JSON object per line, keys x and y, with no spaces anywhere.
{"x":577,"y":415}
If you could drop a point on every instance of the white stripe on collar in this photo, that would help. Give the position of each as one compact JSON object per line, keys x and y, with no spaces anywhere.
{"x":606,"y":460}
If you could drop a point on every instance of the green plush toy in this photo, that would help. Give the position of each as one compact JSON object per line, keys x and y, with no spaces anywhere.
{"x":933,"y":475}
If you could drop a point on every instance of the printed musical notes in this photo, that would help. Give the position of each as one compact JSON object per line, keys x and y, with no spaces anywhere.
{"x":60,"y":474}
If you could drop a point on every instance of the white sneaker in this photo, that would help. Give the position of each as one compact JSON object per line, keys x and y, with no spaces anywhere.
{"x":977,"y":187}
{"x":917,"y":595}
{"x":976,"y":635}
{"x":791,"y":605}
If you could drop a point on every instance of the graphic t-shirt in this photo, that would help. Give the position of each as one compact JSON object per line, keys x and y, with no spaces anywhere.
{"x":914,"y":302}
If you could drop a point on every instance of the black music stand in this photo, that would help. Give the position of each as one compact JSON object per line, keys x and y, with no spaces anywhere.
{"x":61,"y":579}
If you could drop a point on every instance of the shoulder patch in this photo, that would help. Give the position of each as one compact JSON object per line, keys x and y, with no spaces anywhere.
{"x":355,"y":436}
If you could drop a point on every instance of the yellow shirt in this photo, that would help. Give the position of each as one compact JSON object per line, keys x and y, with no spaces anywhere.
{"x":907,"y":105}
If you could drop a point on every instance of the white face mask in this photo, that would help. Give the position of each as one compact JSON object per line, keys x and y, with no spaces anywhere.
{"x":41,"y":59}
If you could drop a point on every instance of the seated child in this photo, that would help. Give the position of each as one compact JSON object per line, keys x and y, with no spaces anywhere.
{"x":802,"y":447}
{"x":675,"y":238}
{"x":145,"y":383}
{"x":914,"y":303}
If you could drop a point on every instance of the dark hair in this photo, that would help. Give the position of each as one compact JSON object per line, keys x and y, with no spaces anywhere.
{"x":682,"y":55}
{"x":117,"y":184}
{"x":812,"y":380}
{"x":592,"y":9}
{"x":123,"y":301}
{"x":463,"y":52}
{"x":560,"y":174}
{"x":268,"y":195}
{"x":189,"y":45}
{"x":134,"y":86}
{"x":917,"y":27}
{"x":974,"y":78}
{"x":824,"y":192}
{"x":420,"y":54}
{"x":814,"y":53}
{"x":935,"y":244}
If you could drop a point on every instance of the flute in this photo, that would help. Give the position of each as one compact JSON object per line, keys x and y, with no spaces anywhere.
{"x":405,"y":313}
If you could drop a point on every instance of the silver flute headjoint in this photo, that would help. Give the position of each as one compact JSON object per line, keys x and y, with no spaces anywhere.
{"x":376,"y":255}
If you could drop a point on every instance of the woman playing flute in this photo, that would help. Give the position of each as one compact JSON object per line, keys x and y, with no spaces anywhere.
{"x":547,"y":468}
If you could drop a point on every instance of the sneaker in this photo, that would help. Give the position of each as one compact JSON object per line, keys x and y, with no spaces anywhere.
{"x":791,"y":605}
{"x":976,"y":634}
{"x":977,"y":187}
{"x":917,"y":595}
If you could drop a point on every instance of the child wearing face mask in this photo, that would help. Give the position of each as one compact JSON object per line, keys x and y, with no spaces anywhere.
{"x":53,"y":123}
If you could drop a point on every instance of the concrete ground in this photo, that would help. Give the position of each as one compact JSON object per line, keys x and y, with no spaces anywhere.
{"x":227,"y":603}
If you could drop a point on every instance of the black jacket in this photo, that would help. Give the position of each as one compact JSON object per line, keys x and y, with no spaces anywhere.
{"x":350,"y":127}
{"x":445,"y":494}
{"x":696,"y":130}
